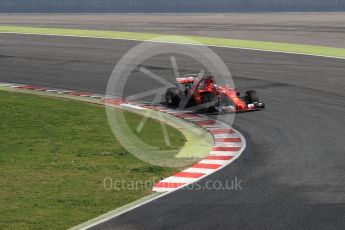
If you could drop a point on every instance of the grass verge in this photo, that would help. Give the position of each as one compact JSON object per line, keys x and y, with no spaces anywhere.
{"x":55,"y":154}
{"x":210,"y":41}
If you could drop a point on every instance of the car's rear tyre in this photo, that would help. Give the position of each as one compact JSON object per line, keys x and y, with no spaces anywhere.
{"x":251,"y":97}
{"x":172,"y":97}
{"x":209,"y":103}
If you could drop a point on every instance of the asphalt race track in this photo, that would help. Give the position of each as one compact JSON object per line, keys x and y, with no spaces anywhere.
{"x":292,"y":172}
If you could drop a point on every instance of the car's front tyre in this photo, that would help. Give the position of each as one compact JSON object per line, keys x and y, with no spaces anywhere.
{"x":172,"y":97}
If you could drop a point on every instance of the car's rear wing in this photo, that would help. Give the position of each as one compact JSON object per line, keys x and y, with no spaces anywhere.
{"x":185,"y":80}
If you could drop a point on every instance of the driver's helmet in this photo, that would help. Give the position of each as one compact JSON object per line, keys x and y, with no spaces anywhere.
{"x":208,"y":84}
{"x":187,"y":86}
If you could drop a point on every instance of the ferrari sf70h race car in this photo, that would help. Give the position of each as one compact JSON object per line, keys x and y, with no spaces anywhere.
{"x":203,"y":93}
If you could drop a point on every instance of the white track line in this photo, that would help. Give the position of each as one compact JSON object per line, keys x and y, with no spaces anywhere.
{"x":228,"y":144}
{"x":229,"y":135}
{"x":198,"y":170}
{"x":133,"y":106}
{"x":174,"y":179}
{"x":223,"y":153}
{"x":217,"y":162}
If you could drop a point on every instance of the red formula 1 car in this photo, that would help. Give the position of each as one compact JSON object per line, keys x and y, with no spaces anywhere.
{"x":203,"y":93}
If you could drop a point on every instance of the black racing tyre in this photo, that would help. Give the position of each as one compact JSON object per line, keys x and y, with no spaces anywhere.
{"x":210,"y":99}
{"x":251,"y":97}
{"x":172,"y":97}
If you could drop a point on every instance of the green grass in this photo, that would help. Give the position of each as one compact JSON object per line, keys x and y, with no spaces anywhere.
{"x":54,"y":156}
{"x":246,"y":44}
